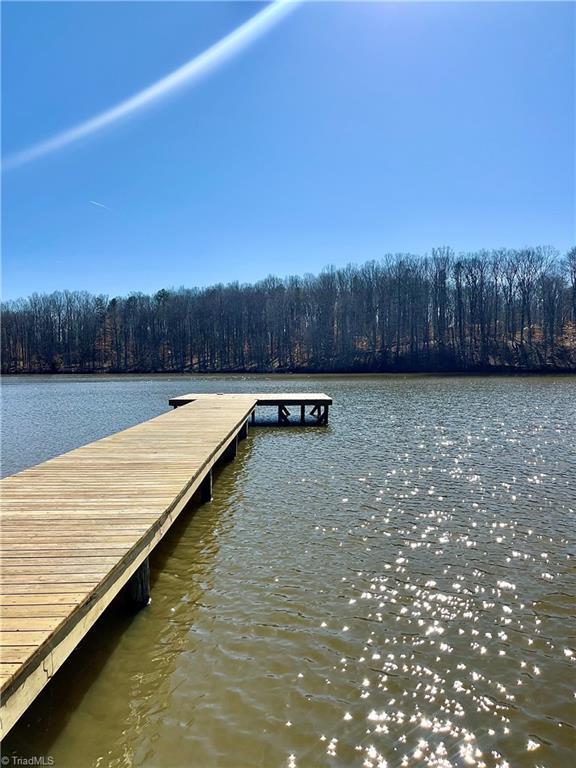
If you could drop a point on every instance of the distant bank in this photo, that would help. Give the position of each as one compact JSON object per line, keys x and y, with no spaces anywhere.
{"x":499,"y":311}
{"x":306,"y":373}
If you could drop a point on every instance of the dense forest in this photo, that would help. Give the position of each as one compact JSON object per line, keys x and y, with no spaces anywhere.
{"x":503,"y":310}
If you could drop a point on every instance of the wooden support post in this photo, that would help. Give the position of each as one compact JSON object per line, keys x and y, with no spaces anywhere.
{"x":302,"y":414}
{"x":243,"y":433}
{"x":231,"y":450}
{"x":253,"y":417}
{"x":326,"y":413}
{"x":314,"y":412}
{"x":206,"y":488}
{"x":283,"y":414}
{"x":138,"y":587}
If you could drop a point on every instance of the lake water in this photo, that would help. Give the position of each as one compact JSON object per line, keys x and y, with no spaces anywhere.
{"x":397,"y":589}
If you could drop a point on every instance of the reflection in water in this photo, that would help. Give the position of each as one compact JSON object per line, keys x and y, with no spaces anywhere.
{"x":394,"y":590}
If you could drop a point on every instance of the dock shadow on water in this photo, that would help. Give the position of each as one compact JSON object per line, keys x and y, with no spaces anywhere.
{"x":395,"y":589}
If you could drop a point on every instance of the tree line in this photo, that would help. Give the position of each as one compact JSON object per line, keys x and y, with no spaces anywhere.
{"x":489,"y":310}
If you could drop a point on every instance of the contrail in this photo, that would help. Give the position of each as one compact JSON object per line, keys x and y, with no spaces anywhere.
{"x":193,"y":70}
{"x":100,"y":205}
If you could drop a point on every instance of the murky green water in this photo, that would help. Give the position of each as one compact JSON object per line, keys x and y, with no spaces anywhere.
{"x":395,"y":590}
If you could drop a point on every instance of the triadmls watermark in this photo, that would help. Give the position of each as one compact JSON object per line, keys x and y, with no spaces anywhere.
{"x":9,"y":760}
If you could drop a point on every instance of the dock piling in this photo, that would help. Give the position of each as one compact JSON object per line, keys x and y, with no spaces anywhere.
{"x":231,"y":451}
{"x":283,"y":414}
{"x":206,"y":488}
{"x":138,"y":587}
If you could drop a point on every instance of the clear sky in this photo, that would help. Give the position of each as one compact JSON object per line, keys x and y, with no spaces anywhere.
{"x":346,"y":131}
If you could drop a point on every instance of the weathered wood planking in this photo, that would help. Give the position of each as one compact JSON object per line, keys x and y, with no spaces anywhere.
{"x":76,"y":528}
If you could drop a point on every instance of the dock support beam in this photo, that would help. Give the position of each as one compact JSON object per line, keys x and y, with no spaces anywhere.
{"x":138,"y":587}
{"x":206,"y":488}
{"x":253,"y":417}
{"x":243,"y":433}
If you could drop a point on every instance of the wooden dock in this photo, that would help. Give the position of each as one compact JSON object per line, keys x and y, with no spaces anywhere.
{"x":318,"y":403}
{"x":77,"y":529}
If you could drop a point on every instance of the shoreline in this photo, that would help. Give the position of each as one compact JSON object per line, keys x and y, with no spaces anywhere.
{"x":489,"y":373}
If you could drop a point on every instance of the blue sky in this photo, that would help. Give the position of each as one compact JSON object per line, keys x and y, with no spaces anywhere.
{"x":347,"y":131}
